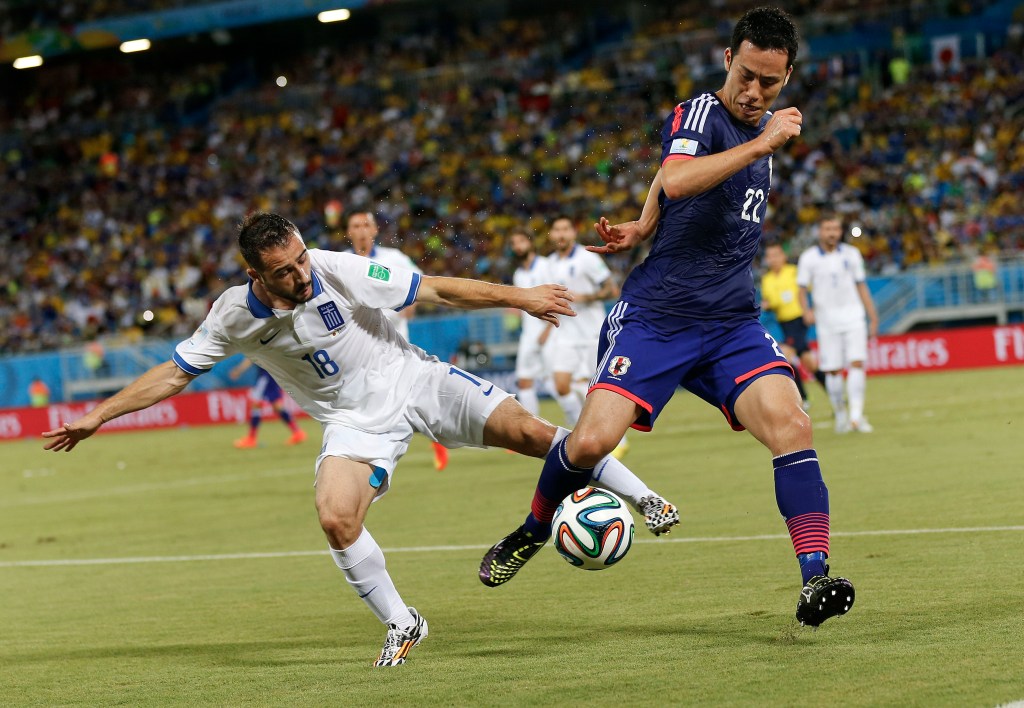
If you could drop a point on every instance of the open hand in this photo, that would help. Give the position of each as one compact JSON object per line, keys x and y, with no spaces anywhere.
{"x":66,"y":437}
{"x":617,"y":237}
{"x":547,"y":302}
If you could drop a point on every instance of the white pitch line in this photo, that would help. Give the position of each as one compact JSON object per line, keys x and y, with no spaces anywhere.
{"x":474,"y":547}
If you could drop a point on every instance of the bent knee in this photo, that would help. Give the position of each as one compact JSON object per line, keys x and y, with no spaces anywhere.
{"x":586,"y":448}
{"x":790,"y":431}
{"x":342,"y":528}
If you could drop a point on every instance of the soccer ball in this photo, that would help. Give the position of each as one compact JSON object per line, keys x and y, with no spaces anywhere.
{"x":592,"y":529}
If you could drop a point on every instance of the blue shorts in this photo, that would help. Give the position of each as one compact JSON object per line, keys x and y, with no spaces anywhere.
{"x":794,"y":333}
{"x":645,"y":355}
{"x":265,"y":389}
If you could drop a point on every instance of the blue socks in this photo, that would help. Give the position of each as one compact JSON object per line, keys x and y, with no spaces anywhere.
{"x":558,"y":479}
{"x":802,"y":497}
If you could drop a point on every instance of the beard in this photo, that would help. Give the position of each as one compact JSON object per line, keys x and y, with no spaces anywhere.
{"x":292,"y":296}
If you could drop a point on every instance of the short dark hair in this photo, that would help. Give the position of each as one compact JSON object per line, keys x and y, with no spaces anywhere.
{"x":357,"y":212}
{"x":261,"y":231}
{"x":566,"y":217}
{"x":766,"y":28}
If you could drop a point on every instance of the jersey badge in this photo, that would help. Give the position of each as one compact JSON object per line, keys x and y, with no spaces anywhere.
{"x":331,"y":316}
{"x":683,"y":146}
{"x":619,"y":366}
{"x":199,"y":335}
{"x":378,"y":272}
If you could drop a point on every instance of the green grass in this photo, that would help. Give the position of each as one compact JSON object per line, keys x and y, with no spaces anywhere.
{"x":937,"y":620}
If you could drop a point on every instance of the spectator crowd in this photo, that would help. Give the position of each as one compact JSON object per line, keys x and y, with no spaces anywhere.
{"x":122,"y":195}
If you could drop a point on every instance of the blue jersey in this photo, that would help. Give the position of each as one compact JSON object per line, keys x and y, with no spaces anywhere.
{"x":700,"y":264}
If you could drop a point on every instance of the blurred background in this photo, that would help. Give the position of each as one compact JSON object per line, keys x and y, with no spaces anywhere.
{"x":135,"y":134}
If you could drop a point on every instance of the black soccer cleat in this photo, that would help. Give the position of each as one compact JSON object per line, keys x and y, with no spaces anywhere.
{"x":823,"y":597}
{"x":507,"y":556}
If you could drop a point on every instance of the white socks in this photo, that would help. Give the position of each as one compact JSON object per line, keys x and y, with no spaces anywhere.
{"x":363,"y":566}
{"x":834,"y":387}
{"x":612,"y":475}
{"x":856,"y":383}
{"x":528,"y":399}
{"x":571,"y":406}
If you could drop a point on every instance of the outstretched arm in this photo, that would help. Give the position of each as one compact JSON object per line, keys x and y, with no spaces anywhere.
{"x":545,"y":302}
{"x":160,"y":382}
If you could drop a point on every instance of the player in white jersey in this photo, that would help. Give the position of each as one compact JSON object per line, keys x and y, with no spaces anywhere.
{"x":530,"y":360}
{"x":572,"y":352}
{"x":362,"y":231}
{"x":833,"y":272}
{"x":314,"y":320}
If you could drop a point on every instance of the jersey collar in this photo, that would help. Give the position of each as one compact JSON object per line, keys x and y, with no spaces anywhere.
{"x":261,"y":311}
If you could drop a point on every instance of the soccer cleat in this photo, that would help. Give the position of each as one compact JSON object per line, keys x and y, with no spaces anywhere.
{"x":507,"y":556}
{"x":400,"y":641}
{"x":659,"y":515}
{"x":297,"y":437}
{"x":246,"y":442}
{"x":823,"y":597}
{"x":440,"y":456}
{"x":861,"y":426}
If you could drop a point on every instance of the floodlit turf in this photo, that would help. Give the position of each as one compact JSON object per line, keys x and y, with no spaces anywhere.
{"x":680,"y":621}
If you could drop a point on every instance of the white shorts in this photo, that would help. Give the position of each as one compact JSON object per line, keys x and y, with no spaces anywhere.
{"x":530,"y":359}
{"x":572,"y":357}
{"x":838,"y":347}
{"x":449,"y":407}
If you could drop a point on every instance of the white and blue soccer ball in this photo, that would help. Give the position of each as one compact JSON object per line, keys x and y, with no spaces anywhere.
{"x":592,"y":529}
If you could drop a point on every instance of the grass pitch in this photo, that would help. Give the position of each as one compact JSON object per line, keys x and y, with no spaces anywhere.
{"x":926,"y":513}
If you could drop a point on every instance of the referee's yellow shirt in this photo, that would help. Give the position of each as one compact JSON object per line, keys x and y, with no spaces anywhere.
{"x":780,"y":291}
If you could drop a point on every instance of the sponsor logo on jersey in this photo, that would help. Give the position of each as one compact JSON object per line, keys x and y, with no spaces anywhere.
{"x":379,"y":272}
{"x":683,"y":146}
{"x":199,"y":335}
{"x":331,"y":316}
{"x":619,"y":365}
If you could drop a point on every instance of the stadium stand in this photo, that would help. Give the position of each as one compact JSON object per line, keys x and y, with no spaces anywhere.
{"x":123,"y":179}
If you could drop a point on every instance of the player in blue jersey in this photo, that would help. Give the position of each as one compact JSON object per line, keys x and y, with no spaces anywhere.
{"x":265,"y":389}
{"x":688,"y":314}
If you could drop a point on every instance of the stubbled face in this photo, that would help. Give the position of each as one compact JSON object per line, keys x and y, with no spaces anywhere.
{"x":521,"y":246}
{"x":753,"y":81}
{"x":774,"y":258}
{"x":830,"y":232}
{"x":362,"y":230}
{"x":287,"y":272}
{"x":562,"y":235}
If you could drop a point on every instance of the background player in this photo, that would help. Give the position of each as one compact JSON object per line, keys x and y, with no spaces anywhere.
{"x":265,"y":389}
{"x":780,"y":294}
{"x":834,"y":274}
{"x":688,"y":314}
{"x":313,"y":319}
{"x":530,"y":360}
{"x":572,"y":349}
{"x":362,"y":231}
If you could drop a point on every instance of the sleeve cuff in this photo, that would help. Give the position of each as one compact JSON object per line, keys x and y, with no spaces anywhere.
{"x":186,"y":367}
{"x":414,"y":289}
{"x":677,"y":157}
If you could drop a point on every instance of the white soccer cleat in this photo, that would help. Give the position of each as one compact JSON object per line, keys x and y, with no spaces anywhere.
{"x":861,"y":426}
{"x":400,"y":641}
{"x":659,"y":515}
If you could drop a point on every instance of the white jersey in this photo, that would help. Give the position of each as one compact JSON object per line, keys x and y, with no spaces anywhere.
{"x":832,"y":279}
{"x":583,"y":273}
{"x":536,"y":274}
{"x":337,"y":355}
{"x":393,"y":258}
